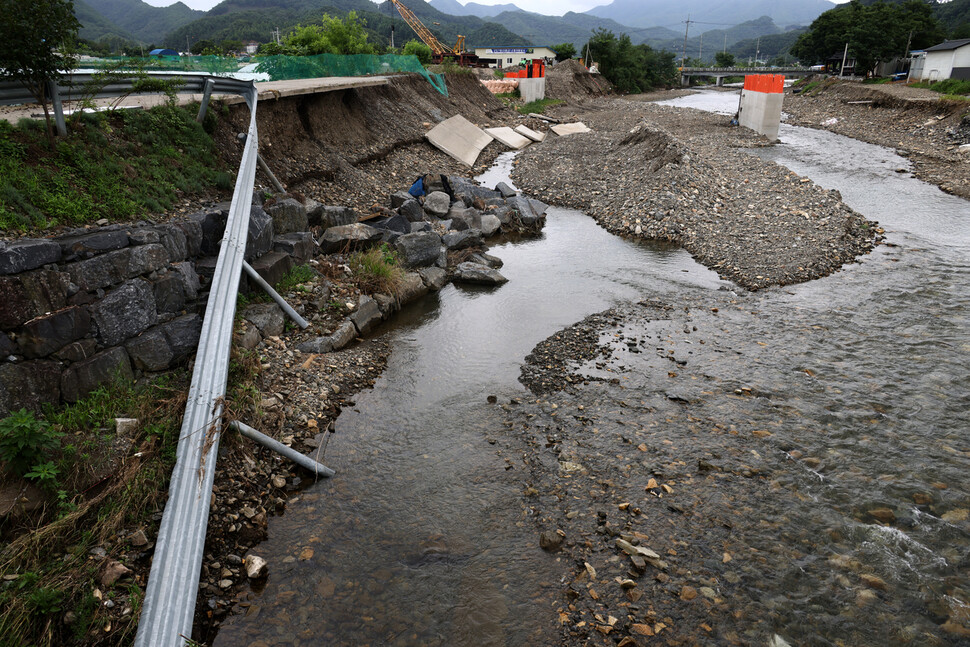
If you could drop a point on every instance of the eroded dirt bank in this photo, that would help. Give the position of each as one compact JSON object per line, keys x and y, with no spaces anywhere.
{"x":918,"y":124}
{"x":683,"y":175}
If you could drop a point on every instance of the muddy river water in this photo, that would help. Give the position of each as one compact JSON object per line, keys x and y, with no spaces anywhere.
{"x":424,"y":538}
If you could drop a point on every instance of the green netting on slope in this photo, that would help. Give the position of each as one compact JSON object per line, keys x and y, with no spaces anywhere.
{"x":283,"y":68}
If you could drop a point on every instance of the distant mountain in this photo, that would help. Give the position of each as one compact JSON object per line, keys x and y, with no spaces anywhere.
{"x":256,"y":19}
{"x":766,"y":47}
{"x":649,"y":13}
{"x":143,"y":21}
{"x":95,"y":27}
{"x":704,"y":45}
{"x":455,"y":8}
{"x":575,"y":28}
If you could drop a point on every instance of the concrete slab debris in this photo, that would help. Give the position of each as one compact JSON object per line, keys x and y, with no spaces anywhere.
{"x":509,"y":137}
{"x":525,"y":131}
{"x":459,"y":138}
{"x":570,"y":129}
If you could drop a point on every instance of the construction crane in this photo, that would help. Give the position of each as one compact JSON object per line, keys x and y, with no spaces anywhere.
{"x":438,"y":49}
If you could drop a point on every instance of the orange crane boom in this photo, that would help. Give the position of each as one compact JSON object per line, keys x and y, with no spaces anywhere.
{"x":437,"y":47}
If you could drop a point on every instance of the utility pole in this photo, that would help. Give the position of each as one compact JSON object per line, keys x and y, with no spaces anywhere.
{"x":392,"y":36}
{"x":909,"y":41}
{"x":683,"y":62}
{"x":725,"y":43}
{"x":845,"y":55}
{"x":757,"y":52}
{"x":700,"y":48}
{"x":188,"y":50}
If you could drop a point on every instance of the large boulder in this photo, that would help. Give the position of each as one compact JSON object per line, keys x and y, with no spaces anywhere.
{"x":462,"y":239}
{"x":334,"y":216}
{"x":267,"y":317}
{"x":398,"y":199}
{"x":434,"y":278}
{"x":27,"y":254}
{"x":175,"y":242}
{"x":114,"y":267}
{"x":411,"y":288}
{"x":479,"y":274}
{"x":352,"y":237}
{"x":412,"y":210}
{"x":522,"y":208}
{"x":418,"y":249}
{"x":437,"y":204}
{"x":169,"y":293}
{"x":288,"y":215}
{"x":488,"y":224}
{"x":260,"y":237}
{"x":299,"y":245}
{"x":396,"y":223}
{"x":83,"y":377}
{"x":82,"y":243}
{"x":45,"y":335}
{"x":367,"y":315}
{"x":505,"y":190}
{"x":125,"y":312}
{"x":28,"y":295}
{"x":211,"y":225}
{"x":273,"y":267}
{"x":29,"y":385}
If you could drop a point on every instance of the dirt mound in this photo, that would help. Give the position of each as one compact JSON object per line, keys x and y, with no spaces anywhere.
{"x":571,"y":81}
{"x":345,"y":147}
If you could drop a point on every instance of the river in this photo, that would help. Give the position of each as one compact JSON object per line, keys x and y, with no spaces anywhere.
{"x":424,"y":537}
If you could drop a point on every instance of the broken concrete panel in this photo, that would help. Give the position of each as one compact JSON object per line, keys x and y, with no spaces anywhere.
{"x":459,"y":138}
{"x":509,"y":137}
{"x":525,"y":131}
{"x":570,"y":129}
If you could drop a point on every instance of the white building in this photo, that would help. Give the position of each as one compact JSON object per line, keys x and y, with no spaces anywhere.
{"x":948,"y":60}
{"x":511,"y":56}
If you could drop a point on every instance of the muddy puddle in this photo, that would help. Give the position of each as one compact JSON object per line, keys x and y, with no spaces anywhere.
{"x":423,"y":537}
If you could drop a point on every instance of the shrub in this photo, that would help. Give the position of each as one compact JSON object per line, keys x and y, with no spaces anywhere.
{"x":376,"y":270}
{"x":26,"y":441}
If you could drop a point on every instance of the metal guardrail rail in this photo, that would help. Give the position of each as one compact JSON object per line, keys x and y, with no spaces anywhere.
{"x":173,"y":583}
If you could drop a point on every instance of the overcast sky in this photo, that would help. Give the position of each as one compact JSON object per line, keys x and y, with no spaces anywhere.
{"x":539,"y":6}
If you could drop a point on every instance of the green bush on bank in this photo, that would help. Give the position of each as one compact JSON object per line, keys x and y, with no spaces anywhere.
{"x":118,"y":165}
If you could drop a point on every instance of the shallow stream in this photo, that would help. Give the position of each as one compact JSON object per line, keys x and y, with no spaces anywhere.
{"x":422,"y":538}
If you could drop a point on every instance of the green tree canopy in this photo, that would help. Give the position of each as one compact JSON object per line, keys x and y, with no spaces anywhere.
{"x":564,"y":51}
{"x":875,"y":32}
{"x":36,"y":41}
{"x":629,"y":67}
{"x":330,"y":36}
{"x":419,"y":49}
{"x":724,"y":59}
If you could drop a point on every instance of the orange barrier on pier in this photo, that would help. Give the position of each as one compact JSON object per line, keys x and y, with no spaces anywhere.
{"x":768,"y":83}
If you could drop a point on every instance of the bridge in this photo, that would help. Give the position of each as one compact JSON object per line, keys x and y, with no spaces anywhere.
{"x":720,"y":73}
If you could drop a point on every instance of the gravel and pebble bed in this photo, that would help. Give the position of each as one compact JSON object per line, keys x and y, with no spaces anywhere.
{"x":657,"y":172}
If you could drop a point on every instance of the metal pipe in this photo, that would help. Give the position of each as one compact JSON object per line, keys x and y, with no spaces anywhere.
{"x":303,"y":461}
{"x":280,"y":301}
{"x":173,"y":583}
{"x":264,"y":167}
{"x":206,"y":95}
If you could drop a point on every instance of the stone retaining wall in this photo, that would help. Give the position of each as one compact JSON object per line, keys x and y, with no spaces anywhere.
{"x":90,"y":304}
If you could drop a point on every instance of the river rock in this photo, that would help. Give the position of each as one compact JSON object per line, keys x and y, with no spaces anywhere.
{"x":462,"y":239}
{"x":27,"y":254}
{"x":437,"y":204}
{"x":268,"y":317}
{"x":434,"y":278}
{"x":477,"y":273}
{"x":288,"y":215}
{"x":335,"y":216}
{"x":367,"y":315}
{"x":418,"y":249}
{"x":412,"y":210}
{"x":550,"y":541}
{"x":505,"y":190}
{"x":256,"y":567}
{"x":411,"y":288}
{"x":343,"y":335}
{"x":354,"y":237}
{"x":299,"y":245}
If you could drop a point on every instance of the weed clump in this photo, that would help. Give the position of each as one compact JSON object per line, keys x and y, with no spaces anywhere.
{"x":377,"y":270}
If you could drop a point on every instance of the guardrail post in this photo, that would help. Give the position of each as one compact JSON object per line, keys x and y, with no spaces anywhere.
{"x":206,"y":95}
{"x":55,"y":95}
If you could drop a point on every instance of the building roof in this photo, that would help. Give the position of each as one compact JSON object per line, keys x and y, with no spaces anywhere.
{"x":163,"y":52}
{"x":949,"y":44}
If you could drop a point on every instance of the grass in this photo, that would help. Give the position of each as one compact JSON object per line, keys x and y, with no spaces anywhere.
{"x":119,"y":165}
{"x":949,"y":87}
{"x":104,"y":493}
{"x":538,"y":106}
{"x":295,"y":278}
{"x":376,"y":270}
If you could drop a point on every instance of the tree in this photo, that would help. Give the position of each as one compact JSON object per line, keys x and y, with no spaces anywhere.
{"x":419,"y":49}
{"x":629,"y":67}
{"x":564,"y":51}
{"x":874,"y":33}
{"x":331,"y":36}
{"x":36,"y":44}
{"x":723,"y":59}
